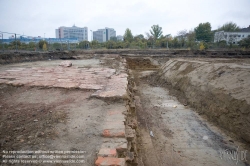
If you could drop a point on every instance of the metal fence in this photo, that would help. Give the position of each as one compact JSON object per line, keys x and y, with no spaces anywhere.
{"x":17,"y":42}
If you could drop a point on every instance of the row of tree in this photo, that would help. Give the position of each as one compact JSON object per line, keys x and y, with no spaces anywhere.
{"x":202,"y":37}
{"x":199,"y":38}
{"x":42,"y":45}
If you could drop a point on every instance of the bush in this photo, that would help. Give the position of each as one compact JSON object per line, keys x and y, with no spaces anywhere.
{"x":41,"y":43}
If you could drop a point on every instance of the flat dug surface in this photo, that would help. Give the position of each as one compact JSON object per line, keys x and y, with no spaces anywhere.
{"x":52,"y":119}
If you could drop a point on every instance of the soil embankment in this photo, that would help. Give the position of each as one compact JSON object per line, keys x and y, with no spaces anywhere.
{"x":218,"y":88}
{"x":17,"y":57}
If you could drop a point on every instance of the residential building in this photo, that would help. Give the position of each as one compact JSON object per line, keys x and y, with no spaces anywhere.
{"x":72,"y":32}
{"x":232,"y":37}
{"x":103,"y":35}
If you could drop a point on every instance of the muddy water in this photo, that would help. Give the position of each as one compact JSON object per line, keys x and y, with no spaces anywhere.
{"x":180,"y":136}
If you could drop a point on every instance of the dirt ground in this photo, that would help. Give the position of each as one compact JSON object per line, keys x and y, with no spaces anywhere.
{"x":48,"y":118}
{"x":88,"y":106}
{"x":180,"y":135}
{"x":54,"y":119}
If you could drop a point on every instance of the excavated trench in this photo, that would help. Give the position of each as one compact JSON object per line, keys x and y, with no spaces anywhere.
{"x":178,"y":122}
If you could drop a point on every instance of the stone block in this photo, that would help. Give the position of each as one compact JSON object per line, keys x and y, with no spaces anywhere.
{"x":106,"y":152}
{"x":110,"y":161}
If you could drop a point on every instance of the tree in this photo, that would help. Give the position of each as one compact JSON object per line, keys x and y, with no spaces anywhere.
{"x":56,"y":46}
{"x":191,"y":39}
{"x":245,"y":43}
{"x":156,"y":31}
{"x":16,"y":43}
{"x":203,"y":32}
{"x":32,"y":45}
{"x":138,"y":37}
{"x":229,"y":27}
{"x":182,"y":37}
{"x":84,"y":44}
{"x":202,"y":47}
{"x":44,"y":47}
{"x":110,"y":44}
{"x":148,"y":36}
{"x":174,"y":43}
{"x":41,"y":43}
{"x":128,"y":36}
{"x":113,"y":38}
{"x":94,"y":44}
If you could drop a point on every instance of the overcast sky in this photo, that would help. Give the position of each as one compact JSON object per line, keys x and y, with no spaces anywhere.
{"x":36,"y":17}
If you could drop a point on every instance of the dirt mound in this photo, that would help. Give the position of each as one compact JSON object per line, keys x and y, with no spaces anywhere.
{"x":142,"y":63}
{"x":16,"y":57}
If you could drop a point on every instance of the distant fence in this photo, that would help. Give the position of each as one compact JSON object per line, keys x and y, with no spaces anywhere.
{"x":17,"y":42}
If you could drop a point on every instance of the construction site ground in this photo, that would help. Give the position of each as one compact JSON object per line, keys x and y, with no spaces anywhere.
{"x":119,"y":110}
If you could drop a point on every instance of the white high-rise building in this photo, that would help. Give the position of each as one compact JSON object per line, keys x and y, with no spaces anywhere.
{"x":100,"y":35}
{"x":103,"y":35}
{"x":72,"y":32}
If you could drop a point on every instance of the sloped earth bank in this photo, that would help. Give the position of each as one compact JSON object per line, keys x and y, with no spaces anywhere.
{"x":218,"y":88}
{"x":193,"y":130}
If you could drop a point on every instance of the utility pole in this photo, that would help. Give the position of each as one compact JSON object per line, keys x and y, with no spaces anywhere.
{"x":167,"y":41}
{"x":91,"y":34}
{"x":2,"y":41}
{"x":15,"y":42}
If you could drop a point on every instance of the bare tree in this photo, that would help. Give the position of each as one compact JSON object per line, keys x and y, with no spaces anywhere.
{"x":182,"y":37}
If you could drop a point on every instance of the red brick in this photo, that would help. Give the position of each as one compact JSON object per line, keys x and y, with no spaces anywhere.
{"x":113,"y":133}
{"x":109,"y":161}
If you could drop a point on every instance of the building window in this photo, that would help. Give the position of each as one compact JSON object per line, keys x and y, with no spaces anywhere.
{"x":242,"y":35}
{"x":238,"y":35}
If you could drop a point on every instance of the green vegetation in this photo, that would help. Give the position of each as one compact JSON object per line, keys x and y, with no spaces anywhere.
{"x":245,"y":43}
{"x":41,"y":43}
{"x":201,"y":38}
{"x":128,"y":37}
{"x":203,"y":32}
{"x":229,"y":27}
{"x":156,"y":31}
{"x":44,"y":47}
